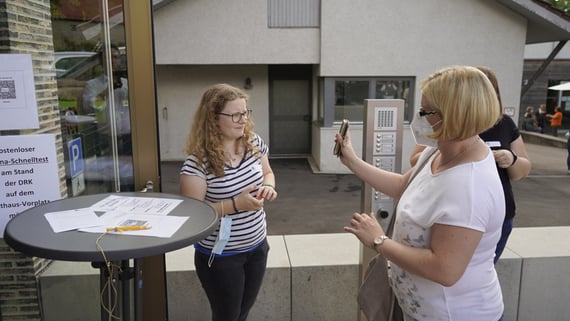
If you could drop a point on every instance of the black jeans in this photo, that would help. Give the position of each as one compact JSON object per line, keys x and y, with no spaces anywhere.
{"x":232,"y":282}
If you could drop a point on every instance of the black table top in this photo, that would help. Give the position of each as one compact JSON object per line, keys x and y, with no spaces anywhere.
{"x":30,"y":233}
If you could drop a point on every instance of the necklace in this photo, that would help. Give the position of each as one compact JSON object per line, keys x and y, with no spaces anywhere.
{"x":233,"y":158}
{"x":458,"y":154}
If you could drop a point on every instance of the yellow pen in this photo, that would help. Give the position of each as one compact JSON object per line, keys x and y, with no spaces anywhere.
{"x":128,"y":228}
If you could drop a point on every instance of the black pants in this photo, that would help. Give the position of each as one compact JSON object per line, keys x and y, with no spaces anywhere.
{"x":232,"y":282}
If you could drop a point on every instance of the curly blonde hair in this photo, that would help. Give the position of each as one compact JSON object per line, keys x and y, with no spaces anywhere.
{"x":205,"y":138}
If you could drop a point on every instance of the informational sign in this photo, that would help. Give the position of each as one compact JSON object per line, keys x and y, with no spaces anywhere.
{"x":509,"y":111}
{"x":75,"y":151}
{"x":17,"y":93}
{"x":28,"y":174}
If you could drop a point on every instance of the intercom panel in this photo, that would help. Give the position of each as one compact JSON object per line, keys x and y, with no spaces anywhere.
{"x":382,"y":147}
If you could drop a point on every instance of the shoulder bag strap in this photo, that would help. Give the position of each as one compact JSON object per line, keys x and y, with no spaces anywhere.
{"x":396,"y":200}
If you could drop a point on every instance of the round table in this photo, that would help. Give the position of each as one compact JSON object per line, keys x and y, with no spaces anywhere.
{"x":30,"y":233}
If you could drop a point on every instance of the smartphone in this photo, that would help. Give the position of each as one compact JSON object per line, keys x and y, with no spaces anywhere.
{"x":343,"y":129}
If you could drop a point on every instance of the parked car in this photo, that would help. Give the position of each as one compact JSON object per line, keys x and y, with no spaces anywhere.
{"x":77,"y":67}
{"x":66,"y":60}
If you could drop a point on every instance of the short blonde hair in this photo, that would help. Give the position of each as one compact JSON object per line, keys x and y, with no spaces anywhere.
{"x":464,"y":98}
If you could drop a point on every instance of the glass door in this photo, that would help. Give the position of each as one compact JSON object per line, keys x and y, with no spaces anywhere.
{"x":103,"y":53}
{"x":91,"y":66}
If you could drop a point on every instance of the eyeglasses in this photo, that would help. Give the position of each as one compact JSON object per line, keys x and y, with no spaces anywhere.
{"x":423,"y":113}
{"x":237,"y":117}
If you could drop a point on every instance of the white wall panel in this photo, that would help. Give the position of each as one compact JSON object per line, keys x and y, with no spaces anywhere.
{"x":415,"y":38}
{"x":228,"y":32}
{"x":179,"y":89}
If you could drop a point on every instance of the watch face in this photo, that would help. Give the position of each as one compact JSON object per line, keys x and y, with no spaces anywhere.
{"x":380,"y":239}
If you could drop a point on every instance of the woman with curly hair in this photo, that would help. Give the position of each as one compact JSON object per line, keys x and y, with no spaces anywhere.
{"x":228,"y":167}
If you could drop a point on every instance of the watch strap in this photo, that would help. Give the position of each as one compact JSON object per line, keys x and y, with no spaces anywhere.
{"x":515,"y":157}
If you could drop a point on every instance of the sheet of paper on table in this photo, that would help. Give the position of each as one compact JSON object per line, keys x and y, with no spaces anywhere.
{"x":73,"y":219}
{"x":160,"y":225}
{"x":139,"y":205}
{"x":121,"y":211}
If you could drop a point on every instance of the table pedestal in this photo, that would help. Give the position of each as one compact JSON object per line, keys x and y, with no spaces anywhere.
{"x":116,"y":288}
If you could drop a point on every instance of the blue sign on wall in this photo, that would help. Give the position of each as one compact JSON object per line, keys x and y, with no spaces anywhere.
{"x":75,"y":156}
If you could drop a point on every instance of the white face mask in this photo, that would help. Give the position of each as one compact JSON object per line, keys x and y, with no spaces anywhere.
{"x":420,"y":129}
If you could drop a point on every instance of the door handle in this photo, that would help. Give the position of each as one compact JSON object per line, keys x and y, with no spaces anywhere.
{"x":148,"y":187}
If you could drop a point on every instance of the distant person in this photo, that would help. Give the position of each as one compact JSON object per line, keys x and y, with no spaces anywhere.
{"x":113,"y":120}
{"x":568,"y":146}
{"x":228,"y":167}
{"x":96,"y":102}
{"x":510,"y":156}
{"x":555,"y":120}
{"x":530,"y":122}
{"x":540,"y":115}
{"x":70,"y":111}
{"x":448,"y":220}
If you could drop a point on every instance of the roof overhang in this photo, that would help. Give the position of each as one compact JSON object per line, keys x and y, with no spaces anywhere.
{"x":545,"y":23}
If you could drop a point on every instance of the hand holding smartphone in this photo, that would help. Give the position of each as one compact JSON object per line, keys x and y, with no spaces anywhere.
{"x":343,"y":129}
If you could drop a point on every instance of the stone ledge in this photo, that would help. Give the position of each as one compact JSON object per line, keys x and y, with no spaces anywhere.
{"x":544,"y":139}
{"x":316,"y":277}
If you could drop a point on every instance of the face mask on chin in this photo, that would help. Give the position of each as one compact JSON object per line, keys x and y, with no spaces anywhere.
{"x":420,"y":129}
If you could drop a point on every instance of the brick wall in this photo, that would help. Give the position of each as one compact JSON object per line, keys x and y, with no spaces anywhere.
{"x":25,"y":27}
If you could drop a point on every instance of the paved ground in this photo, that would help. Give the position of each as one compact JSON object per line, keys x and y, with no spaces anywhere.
{"x":322,"y":203}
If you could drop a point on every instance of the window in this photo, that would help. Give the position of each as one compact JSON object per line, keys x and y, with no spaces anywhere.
{"x":349,"y":99}
{"x":344,"y":97}
{"x":397,"y":89}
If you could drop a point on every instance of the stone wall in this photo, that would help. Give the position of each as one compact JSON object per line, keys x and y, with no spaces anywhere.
{"x":25,"y":28}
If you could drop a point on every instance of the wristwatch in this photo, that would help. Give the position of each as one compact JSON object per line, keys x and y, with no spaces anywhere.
{"x":515,"y":157}
{"x":379,"y":240}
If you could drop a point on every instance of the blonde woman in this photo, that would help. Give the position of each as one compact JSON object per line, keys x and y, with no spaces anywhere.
{"x":449,"y":218}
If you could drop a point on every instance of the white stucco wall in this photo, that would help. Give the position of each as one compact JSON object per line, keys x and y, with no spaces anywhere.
{"x":179,"y":89}
{"x":228,"y":32}
{"x":403,"y":38}
{"x":543,"y":50}
{"x":415,"y":38}
{"x":227,"y":41}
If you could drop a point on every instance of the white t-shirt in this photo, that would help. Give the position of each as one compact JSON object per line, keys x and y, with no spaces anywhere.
{"x":469,"y":195}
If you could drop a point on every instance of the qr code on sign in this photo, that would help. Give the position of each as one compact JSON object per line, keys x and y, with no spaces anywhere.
{"x":7,"y":89}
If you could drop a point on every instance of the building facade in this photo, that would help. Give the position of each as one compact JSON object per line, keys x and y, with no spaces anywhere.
{"x":306,"y":64}
{"x":311,"y":63}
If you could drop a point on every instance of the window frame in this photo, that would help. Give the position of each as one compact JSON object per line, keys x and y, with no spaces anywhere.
{"x":329,"y":105}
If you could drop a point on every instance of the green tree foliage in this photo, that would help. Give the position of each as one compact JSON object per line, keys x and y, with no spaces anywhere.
{"x":563,"y":5}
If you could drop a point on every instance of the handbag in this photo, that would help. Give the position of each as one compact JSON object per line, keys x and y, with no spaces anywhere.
{"x":375,"y":297}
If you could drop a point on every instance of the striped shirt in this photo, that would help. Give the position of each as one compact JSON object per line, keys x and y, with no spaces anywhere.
{"x":248,"y":227}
